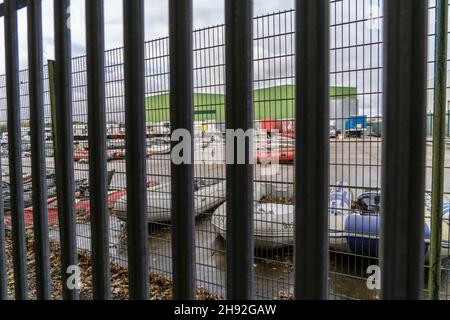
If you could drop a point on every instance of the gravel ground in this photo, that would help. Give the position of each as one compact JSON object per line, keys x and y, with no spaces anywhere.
{"x":160,"y":288}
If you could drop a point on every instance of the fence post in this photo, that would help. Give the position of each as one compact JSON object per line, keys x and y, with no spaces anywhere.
{"x":98,"y":182}
{"x":182,"y":117}
{"x":52,"y":95}
{"x":15,"y":150}
{"x":403,"y":163}
{"x":239,"y":116}
{"x":64,"y":152}
{"x":437,"y":189}
{"x":312,"y":149}
{"x":137,"y":229}
{"x":38,"y":166}
{"x":3,"y":272}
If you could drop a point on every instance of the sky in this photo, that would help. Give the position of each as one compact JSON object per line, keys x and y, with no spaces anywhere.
{"x":355,"y":39}
{"x":206,"y":13}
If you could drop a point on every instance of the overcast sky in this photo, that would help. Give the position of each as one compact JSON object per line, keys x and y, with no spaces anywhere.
{"x":355,"y":36}
{"x":206,"y":13}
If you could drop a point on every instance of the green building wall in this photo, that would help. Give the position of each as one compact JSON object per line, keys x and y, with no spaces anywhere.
{"x":269,"y":103}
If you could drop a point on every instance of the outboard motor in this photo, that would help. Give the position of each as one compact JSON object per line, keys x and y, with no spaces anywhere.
{"x":363,"y":227}
{"x":369,"y":203}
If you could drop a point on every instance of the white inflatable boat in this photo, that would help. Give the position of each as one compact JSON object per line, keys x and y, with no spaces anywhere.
{"x":159,"y":145}
{"x":274,"y":222}
{"x":209,"y":193}
{"x":340,"y":207}
{"x":163,"y":148}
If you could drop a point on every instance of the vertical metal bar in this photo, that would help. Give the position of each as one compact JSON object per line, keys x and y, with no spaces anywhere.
{"x":52,"y":94}
{"x":98,"y":183}
{"x":182,"y":118}
{"x":38,"y":168}
{"x":135,"y":148}
{"x":239,"y":115}
{"x":64,"y":151}
{"x":403,"y":164}
{"x":312,"y":149}
{"x":3,"y":260}
{"x":19,"y":5}
{"x":15,"y":150}
{"x":437,"y":189}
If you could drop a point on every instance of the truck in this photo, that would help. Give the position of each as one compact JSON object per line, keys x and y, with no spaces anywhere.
{"x":355,"y":126}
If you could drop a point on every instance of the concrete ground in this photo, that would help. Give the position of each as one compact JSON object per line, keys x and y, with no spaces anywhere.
{"x":357,"y":162}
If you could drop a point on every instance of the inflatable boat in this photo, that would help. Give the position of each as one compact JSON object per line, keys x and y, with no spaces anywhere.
{"x":340,"y":206}
{"x":274,"y":211}
{"x":159,"y":145}
{"x":363,"y":227}
{"x":290,"y":135}
{"x":282,"y":155}
{"x":162,"y":148}
{"x":208,"y":194}
{"x":273,"y":222}
{"x":120,"y":154}
{"x":277,"y":149}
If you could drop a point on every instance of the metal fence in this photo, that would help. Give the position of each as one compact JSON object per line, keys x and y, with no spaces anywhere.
{"x":220,"y":230}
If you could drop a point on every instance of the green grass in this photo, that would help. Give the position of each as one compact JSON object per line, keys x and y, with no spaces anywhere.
{"x":269,"y":103}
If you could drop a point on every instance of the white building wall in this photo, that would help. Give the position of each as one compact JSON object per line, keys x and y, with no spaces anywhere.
{"x":342,"y":109}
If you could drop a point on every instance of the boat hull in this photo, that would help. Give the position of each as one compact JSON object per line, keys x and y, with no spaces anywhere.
{"x":159,"y":201}
{"x":273,"y":223}
{"x":363,"y":235}
{"x":269,"y":231}
{"x":159,"y":149}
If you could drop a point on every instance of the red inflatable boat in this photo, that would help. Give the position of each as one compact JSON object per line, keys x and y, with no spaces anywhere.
{"x":283,"y":155}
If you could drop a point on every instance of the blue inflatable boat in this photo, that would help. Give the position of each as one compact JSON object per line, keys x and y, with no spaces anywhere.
{"x":363,"y":228}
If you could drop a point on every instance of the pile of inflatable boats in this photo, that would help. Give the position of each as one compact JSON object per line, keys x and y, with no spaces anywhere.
{"x":208,"y":194}
{"x":354,"y":225}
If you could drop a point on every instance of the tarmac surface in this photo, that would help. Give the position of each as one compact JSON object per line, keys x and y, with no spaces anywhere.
{"x":356,"y":162}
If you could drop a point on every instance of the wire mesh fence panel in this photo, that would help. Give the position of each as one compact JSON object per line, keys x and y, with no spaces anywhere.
{"x":355,"y":158}
{"x":432,"y":74}
{"x":356,"y":67}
